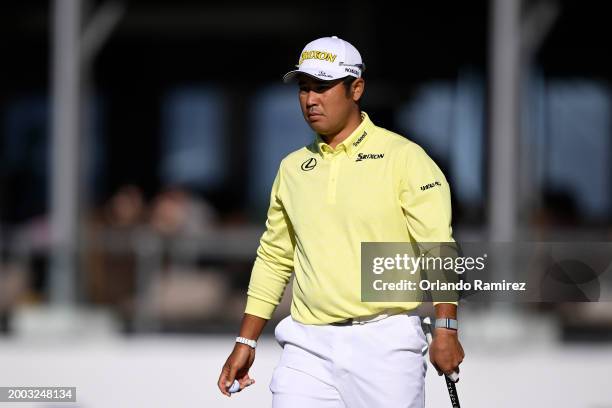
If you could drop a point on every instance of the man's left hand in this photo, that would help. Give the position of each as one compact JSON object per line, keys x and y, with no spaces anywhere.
{"x":446,"y":352}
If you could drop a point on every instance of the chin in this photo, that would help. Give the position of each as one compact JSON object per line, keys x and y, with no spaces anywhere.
{"x":318,"y":127}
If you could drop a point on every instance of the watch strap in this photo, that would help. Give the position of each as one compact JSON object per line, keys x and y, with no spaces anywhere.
{"x":248,"y":342}
{"x":447,"y":323}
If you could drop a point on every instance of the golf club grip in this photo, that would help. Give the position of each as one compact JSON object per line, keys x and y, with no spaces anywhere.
{"x":454,"y":377}
{"x":452,"y":393}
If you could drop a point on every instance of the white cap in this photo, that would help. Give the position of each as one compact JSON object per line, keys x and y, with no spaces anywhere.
{"x":328,"y":58}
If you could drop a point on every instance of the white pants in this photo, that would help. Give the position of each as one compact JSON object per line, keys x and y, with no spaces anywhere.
{"x":371,"y":365}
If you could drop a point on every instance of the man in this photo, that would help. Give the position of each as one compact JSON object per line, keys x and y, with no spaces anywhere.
{"x":355,"y":183}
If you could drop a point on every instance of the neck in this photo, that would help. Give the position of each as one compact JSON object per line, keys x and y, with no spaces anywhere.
{"x":335,"y":139}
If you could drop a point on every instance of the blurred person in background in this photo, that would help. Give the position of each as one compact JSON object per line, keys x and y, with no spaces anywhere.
{"x":14,"y":290}
{"x":178,"y":212}
{"x":176,"y":218}
{"x":187,"y":291}
{"x":111,"y":260}
{"x":355,"y":183}
{"x":126,"y":208}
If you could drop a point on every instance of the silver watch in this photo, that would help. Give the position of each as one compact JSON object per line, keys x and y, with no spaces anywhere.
{"x":446,"y":323}
{"x":248,"y":342}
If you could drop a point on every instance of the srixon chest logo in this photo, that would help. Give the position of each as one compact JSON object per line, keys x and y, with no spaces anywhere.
{"x":430,"y":185}
{"x":367,"y":156}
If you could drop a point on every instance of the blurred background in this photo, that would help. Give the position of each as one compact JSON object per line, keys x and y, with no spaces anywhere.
{"x":139,"y":141}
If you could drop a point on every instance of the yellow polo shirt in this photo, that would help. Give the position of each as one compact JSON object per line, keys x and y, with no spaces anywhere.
{"x":325,"y":202}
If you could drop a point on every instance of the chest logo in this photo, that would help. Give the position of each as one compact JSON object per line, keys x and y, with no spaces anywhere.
{"x":309,"y":164}
{"x":366,"y":156}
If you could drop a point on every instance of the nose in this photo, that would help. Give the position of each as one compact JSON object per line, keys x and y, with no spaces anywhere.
{"x":311,"y":99}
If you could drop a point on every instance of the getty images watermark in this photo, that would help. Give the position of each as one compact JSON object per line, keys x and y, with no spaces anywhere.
{"x":517,"y":272}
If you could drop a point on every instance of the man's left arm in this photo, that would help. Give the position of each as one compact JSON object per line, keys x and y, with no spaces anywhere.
{"x":425,"y":198}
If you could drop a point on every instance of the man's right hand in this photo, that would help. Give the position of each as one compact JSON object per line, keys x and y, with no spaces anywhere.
{"x":237,"y":367}
{"x":238,"y":363}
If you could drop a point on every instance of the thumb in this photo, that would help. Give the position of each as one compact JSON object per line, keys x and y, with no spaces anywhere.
{"x":230,"y":376}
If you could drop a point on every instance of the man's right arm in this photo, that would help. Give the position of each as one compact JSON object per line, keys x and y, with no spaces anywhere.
{"x":274,"y":263}
{"x":271,"y":273}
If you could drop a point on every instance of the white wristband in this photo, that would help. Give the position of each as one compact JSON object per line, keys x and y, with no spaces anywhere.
{"x":248,"y":342}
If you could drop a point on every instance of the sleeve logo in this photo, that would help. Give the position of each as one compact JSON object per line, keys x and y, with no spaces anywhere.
{"x":430,"y":185}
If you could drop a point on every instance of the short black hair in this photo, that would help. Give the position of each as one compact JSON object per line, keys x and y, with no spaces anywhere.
{"x":347,"y":81}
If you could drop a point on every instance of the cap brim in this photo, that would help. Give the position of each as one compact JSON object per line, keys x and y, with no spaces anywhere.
{"x":292,"y":75}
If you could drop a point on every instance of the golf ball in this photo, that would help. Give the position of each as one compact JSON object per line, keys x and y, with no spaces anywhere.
{"x":235,"y":387}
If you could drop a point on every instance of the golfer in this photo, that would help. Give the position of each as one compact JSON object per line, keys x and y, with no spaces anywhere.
{"x":356,"y":182}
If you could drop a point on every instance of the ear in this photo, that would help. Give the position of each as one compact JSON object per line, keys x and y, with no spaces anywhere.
{"x":357,"y":89}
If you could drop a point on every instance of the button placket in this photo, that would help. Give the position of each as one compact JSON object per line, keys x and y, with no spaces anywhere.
{"x":333,"y":179}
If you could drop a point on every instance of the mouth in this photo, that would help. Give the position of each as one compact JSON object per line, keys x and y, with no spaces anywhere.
{"x":314,"y":116}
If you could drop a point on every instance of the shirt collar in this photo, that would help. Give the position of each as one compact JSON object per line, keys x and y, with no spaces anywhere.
{"x":352,"y":143}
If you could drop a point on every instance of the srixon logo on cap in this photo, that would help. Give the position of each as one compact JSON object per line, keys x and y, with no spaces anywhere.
{"x":320,"y":55}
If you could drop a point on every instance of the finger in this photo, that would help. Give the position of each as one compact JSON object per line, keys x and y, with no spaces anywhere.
{"x":454,"y":370}
{"x":223,"y":381}
{"x":231,"y":376}
{"x":437,"y":368}
{"x":227,"y":379}
{"x":238,"y":386}
{"x":243,"y":377}
{"x":245,"y":381}
{"x":222,"y":388}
